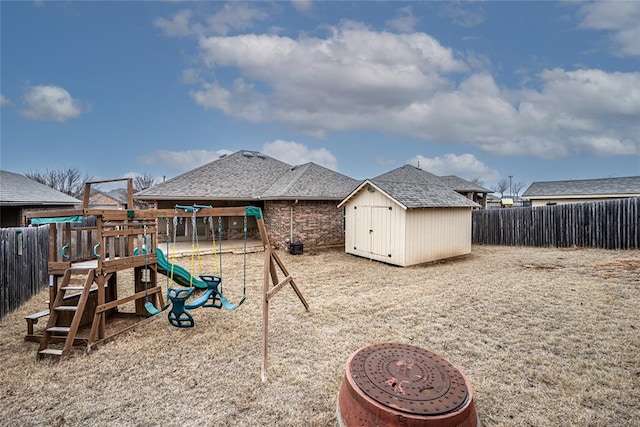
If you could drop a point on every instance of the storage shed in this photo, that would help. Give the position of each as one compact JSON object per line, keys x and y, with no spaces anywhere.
{"x":406,"y":223}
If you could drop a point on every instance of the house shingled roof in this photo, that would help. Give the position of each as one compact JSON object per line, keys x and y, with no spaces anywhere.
{"x":311,"y":181}
{"x":243,"y":175}
{"x":602,"y":186}
{"x":462,"y":185}
{"x":19,"y":190}
{"x":409,"y":173}
{"x":251,"y":175}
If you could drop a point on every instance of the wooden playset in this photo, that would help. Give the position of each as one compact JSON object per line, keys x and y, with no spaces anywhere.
{"x":84,"y":262}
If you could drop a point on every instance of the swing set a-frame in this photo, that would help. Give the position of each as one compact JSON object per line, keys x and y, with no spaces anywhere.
{"x":84,"y":262}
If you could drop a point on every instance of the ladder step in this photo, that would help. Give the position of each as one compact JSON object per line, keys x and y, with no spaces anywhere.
{"x":66,"y":308}
{"x":72,"y":288}
{"x":59,"y":329}
{"x":51,"y":351}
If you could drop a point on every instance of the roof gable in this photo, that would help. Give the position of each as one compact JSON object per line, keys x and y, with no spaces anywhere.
{"x":19,"y":190}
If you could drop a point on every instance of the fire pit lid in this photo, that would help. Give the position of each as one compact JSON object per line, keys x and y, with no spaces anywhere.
{"x":409,"y":379}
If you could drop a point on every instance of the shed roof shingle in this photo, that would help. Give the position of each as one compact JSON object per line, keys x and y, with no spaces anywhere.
{"x":423,"y":195}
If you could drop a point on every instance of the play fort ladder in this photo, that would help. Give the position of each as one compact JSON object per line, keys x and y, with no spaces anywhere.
{"x":77,"y":284}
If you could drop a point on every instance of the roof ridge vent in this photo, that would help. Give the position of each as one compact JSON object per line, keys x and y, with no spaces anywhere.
{"x":247,"y":154}
{"x":260,"y":155}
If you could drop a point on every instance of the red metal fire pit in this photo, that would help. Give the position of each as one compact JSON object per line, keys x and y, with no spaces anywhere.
{"x":402,"y":385}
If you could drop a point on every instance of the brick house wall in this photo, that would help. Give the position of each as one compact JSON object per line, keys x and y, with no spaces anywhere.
{"x":315,"y":223}
{"x":104,"y":200}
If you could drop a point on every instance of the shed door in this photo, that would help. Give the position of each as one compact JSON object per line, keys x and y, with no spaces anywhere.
{"x":381,"y":230}
{"x":373,"y":229}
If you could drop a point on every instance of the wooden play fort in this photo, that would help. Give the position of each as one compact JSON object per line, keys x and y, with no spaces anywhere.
{"x":85,"y":308}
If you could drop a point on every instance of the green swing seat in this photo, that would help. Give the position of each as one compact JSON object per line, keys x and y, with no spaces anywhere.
{"x":179,"y":316}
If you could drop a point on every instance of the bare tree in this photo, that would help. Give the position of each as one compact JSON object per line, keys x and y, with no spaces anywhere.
{"x":501,"y":186}
{"x":477,"y":181}
{"x":142,"y":182}
{"x":517,"y":186}
{"x":69,"y":181}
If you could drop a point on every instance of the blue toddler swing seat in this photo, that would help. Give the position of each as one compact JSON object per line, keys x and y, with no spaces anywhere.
{"x":179,"y":316}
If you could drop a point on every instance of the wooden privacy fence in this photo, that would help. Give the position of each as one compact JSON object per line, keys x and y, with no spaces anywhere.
{"x":612,"y":224}
{"x":24,"y":256}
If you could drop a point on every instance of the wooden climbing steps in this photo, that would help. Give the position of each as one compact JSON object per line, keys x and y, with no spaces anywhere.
{"x":60,"y":334}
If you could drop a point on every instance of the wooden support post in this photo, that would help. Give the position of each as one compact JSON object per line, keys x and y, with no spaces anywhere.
{"x":102,"y":327}
{"x":265,"y":313}
{"x":270,"y":271}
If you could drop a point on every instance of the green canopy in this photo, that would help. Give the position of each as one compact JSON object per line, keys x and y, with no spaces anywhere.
{"x":40,"y":221}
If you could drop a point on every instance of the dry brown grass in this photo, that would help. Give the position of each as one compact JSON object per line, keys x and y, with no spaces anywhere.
{"x":546,"y":337}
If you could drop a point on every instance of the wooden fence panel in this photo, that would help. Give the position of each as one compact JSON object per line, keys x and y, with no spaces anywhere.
{"x":612,"y":224}
{"x":24,"y":255}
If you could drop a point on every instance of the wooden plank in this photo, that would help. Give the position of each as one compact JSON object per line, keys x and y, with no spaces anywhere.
{"x":93,"y":344}
{"x":128,"y":232}
{"x":278,"y":287}
{"x":54,"y":213}
{"x":104,"y":307}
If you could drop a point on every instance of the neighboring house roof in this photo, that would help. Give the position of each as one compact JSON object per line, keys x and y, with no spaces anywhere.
{"x":462,"y":185}
{"x":311,"y":181}
{"x":19,"y":190}
{"x":585,"y":187}
{"x":251,"y":175}
{"x":119,"y":194}
{"x":100,"y":198}
{"x":410,"y":173}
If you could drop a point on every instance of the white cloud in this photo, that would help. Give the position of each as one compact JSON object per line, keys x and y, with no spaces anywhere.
{"x":405,"y":22}
{"x":51,"y":103}
{"x":232,"y":16}
{"x":463,"y":14}
{"x":180,"y":161}
{"x":465,"y":166}
{"x":304,"y":6}
{"x":178,"y":25}
{"x":347,"y":80}
{"x":296,"y":153}
{"x":4,"y":101}
{"x":358,"y":79}
{"x":620,"y":18}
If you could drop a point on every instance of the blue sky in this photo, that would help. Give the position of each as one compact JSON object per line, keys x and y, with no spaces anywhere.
{"x":538,"y":91}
